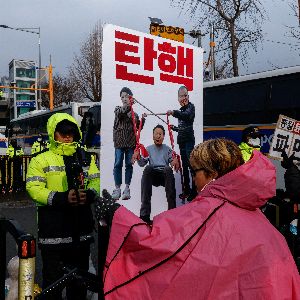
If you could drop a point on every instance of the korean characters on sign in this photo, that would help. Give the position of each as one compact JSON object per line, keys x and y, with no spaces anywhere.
{"x":286,"y":138}
{"x":168,"y":32}
{"x":175,"y":62}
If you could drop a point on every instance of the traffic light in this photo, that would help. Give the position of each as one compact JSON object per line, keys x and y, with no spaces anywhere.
{"x":1,"y":94}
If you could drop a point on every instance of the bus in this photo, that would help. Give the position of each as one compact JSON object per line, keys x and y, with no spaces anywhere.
{"x":258,"y":99}
{"x":26,"y":128}
{"x":232,"y":104}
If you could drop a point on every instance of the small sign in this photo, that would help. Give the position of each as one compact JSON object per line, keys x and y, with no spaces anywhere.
{"x":168,"y":32}
{"x":25,"y":103}
{"x":286,"y":138}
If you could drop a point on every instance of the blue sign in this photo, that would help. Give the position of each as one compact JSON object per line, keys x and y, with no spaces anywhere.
{"x":25,"y":103}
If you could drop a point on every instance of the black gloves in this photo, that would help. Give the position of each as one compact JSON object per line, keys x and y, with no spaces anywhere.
{"x":105,"y":207}
{"x":287,"y":162}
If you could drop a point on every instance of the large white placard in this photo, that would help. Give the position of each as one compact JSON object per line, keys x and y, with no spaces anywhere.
{"x":286,"y":138}
{"x":153,"y":68}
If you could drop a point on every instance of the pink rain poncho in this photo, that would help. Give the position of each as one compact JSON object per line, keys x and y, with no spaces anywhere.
{"x":220,"y":246}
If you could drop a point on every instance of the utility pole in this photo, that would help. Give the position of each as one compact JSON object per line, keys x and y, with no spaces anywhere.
{"x":299,"y":11}
{"x":196,"y":34}
{"x":212,"y":52}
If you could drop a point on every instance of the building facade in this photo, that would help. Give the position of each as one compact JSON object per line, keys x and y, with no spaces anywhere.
{"x":22,"y":74}
{"x":4,"y":100}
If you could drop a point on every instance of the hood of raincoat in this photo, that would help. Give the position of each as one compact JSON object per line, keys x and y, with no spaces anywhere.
{"x":219,"y":246}
{"x":58,"y":147}
{"x":244,"y":186}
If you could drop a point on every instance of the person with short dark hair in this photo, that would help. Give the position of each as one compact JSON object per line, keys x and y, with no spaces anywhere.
{"x":158,"y":172}
{"x":63,"y":191}
{"x":124,"y":143}
{"x":185,"y":138}
{"x":250,"y":141}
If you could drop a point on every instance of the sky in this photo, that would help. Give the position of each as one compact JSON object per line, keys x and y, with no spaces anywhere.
{"x":66,"y":24}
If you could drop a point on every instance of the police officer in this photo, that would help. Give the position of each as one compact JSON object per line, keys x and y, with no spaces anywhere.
{"x":65,"y":220}
{"x":250,"y":141}
{"x":14,"y":150}
{"x":14,"y":153}
{"x":39,"y":145}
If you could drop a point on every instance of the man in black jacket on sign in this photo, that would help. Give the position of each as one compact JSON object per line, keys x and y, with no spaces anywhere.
{"x":185,"y":137}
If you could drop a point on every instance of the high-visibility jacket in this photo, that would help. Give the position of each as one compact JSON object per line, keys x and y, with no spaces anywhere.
{"x":38,"y":147}
{"x":247,"y":150}
{"x":11,"y":151}
{"x":48,"y":183}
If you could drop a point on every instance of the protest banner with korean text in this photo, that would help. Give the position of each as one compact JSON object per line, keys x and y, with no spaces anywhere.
{"x":286,"y":138}
{"x":153,"y":68}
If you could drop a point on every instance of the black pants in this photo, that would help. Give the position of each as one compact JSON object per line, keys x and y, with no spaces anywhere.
{"x":157,"y":177}
{"x":185,"y":152}
{"x":55,"y":259}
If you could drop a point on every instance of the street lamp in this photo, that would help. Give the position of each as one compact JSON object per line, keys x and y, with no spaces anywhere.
{"x":155,"y":21}
{"x":34,"y":30}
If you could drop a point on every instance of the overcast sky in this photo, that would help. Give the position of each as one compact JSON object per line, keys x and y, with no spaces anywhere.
{"x":65,"y":24}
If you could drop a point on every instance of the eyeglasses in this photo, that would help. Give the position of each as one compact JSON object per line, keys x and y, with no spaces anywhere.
{"x":194,"y":171}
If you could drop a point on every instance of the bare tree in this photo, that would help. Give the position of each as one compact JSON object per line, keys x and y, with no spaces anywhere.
{"x":295,"y":30}
{"x":65,"y":91}
{"x":87,"y":66}
{"x":237,"y":24}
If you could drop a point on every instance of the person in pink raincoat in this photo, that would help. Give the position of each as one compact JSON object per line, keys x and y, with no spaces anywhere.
{"x":219,"y":246}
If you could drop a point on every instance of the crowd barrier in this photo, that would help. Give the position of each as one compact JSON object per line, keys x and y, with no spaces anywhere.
{"x":13,"y":173}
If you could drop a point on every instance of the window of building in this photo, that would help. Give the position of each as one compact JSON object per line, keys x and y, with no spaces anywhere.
{"x":20,"y":72}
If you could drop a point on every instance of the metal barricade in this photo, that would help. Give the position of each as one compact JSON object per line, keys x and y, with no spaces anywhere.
{"x":13,"y":173}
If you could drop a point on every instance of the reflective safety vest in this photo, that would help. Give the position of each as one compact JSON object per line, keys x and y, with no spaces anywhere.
{"x":38,"y":147}
{"x":247,"y":151}
{"x":11,"y":151}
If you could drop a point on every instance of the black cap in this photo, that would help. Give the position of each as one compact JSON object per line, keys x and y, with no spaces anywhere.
{"x":250,"y":131}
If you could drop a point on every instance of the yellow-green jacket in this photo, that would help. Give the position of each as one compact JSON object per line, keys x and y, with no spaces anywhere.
{"x":38,"y":147}
{"x":11,"y":151}
{"x":47,"y":184}
{"x":247,"y":150}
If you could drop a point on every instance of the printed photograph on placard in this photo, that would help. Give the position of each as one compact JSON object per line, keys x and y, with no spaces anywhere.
{"x":150,"y":85}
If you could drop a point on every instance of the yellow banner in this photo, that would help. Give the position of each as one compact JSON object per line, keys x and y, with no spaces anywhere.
{"x":168,"y":32}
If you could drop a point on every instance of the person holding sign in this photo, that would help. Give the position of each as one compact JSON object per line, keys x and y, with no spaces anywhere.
{"x":250,"y":141}
{"x":219,"y":246}
{"x":185,"y":137}
{"x":124,"y":142}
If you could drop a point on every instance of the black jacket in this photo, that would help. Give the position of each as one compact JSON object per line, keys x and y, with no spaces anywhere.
{"x":292,"y":183}
{"x":185,"y":116}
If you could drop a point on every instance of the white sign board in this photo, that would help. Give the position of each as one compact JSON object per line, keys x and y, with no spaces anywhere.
{"x":286,"y":138}
{"x":153,"y":68}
